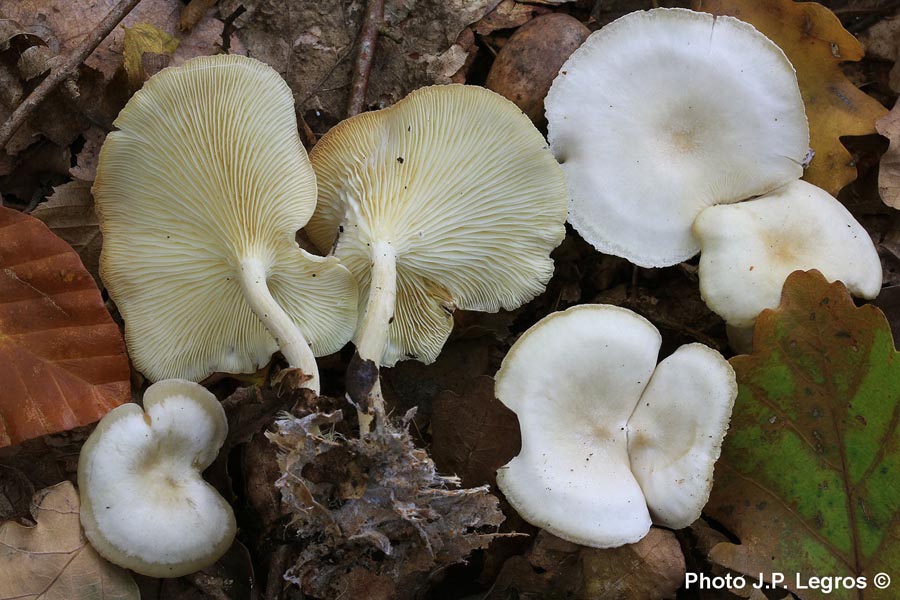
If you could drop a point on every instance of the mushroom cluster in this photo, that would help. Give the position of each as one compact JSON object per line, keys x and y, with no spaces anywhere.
{"x":610,"y":440}
{"x":664,"y":117}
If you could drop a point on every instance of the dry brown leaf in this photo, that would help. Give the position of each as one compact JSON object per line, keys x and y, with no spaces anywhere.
{"x":882,"y":41}
{"x":86,"y":161}
{"x":53,"y":560}
{"x":816,"y":43}
{"x":312,"y":46}
{"x":69,"y":213}
{"x":651,"y":568}
{"x":473,"y":434}
{"x":62,"y":358}
{"x":889,"y":170}
{"x":507,"y":15}
{"x":70,"y":21}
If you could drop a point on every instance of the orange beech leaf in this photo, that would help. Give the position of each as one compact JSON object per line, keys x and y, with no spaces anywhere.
{"x":816,"y":43}
{"x":62,"y":358}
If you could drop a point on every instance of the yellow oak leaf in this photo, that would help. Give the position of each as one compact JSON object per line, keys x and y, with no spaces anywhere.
{"x":816,"y":43}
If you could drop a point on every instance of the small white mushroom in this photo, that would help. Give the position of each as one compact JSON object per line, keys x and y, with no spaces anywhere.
{"x":144,"y":503}
{"x":610,"y":440}
{"x":749,"y":249}
{"x":663,"y":113}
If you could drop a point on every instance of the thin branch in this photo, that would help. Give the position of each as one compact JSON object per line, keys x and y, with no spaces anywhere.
{"x":368,"y":38}
{"x":64,"y":70}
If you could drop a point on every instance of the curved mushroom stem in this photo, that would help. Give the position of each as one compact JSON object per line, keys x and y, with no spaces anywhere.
{"x":288,"y":336}
{"x":373,"y":334}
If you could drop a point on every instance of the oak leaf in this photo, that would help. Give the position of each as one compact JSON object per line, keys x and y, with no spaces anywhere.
{"x":53,"y":560}
{"x":808,"y":477}
{"x":816,"y":43}
{"x":62,"y":358}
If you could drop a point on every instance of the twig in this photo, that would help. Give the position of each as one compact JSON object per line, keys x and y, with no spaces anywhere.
{"x":229,"y":27}
{"x":368,"y":37}
{"x":277,"y":567}
{"x":64,"y":70}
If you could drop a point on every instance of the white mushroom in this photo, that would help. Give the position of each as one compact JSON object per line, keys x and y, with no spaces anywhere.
{"x":749,"y":249}
{"x":200,"y":194}
{"x":144,"y":503}
{"x":605,"y":432}
{"x":663,"y":113}
{"x":448,"y":199}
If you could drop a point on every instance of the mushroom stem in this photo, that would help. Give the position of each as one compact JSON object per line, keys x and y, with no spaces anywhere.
{"x":288,"y":336}
{"x":373,"y":333}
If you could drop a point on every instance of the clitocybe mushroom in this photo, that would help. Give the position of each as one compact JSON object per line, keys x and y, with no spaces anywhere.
{"x":448,"y":199}
{"x":144,"y":504}
{"x":749,"y":249}
{"x":200,"y":194}
{"x":663,"y":113}
{"x":610,"y":440}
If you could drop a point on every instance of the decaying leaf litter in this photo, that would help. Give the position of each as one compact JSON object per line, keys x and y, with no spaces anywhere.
{"x":287,"y":474}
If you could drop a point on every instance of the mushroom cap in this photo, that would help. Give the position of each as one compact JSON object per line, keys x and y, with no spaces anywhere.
{"x":676,"y":432}
{"x":144,"y":504}
{"x":574,"y":379}
{"x":750,"y":248}
{"x":462,"y":186}
{"x":663,"y":113}
{"x":206,"y":170}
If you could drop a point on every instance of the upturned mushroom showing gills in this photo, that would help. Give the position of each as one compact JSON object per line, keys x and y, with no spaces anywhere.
{"x":144,"y":504}
{"x":749,"y":249}
{"x":200,"y":193}
{"x":448,"y":199}
{"x":611,"y":441}
{"x":663,"y":113}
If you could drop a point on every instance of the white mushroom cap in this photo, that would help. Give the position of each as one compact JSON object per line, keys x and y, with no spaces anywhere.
{"x":676,"y":432}
{"x":144,"y":504}
{"x":451,"y":199}
{"x":663,"y":113}
{"x":200,"y":194}
{"x":610,"y":439}
{"x":750,"y":248}
{"x":574,"y":379}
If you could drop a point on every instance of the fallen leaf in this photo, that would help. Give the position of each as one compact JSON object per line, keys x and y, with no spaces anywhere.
{"x":69,"y":213}
{"x":881,"y":42}
{"x":889,"y":170}
{"x":53,"y":560}
{"x":86,"y":160}
{"x":507,"y":15}
{"x":473,"y":434}
{"x":808,"y":477}
{"x":70,"y":21}
{"x":312,"y":47}
{"x":816,"y":43}
{"x":143,"y":39}
{"x":62,"y":358}
{"x":651,"y":568}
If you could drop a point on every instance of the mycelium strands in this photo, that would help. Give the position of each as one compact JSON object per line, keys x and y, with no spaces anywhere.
{"x":200,"y":193}
{"x":663,"y":113}
{"x":144,"y":504}
{"x":750,"y":248}
{"x":449,"y":199}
